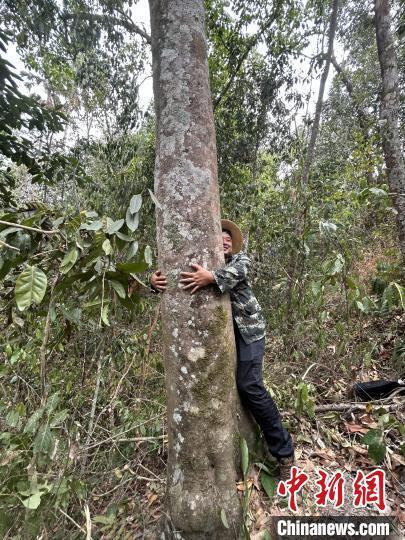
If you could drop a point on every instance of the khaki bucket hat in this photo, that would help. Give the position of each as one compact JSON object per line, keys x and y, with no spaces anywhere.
{"x":237,"y":237}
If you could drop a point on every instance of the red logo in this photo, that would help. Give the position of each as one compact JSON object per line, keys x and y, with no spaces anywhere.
{"x":370,"y":489}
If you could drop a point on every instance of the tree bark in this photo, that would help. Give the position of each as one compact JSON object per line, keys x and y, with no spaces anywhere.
{"x":389,"y":113}
{"x":198,"y":341}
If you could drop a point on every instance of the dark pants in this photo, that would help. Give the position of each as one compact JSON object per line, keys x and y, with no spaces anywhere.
{"x":257,"y":400}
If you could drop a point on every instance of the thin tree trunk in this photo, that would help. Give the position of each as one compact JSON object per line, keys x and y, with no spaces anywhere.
{"x":198,"y":342}
{"x":296,"y":264}
{"x":389,"y":114}
{"x":318,"y":110}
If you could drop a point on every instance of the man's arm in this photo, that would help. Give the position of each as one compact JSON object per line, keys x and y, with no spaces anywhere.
{"x":230,"y":275}
{"x":226,"y":278}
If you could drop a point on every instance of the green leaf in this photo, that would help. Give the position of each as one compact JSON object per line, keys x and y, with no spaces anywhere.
{"x":128,"y":268}
{"x":32,"y":423}
{"x":148,"y":255}
{"x":269,"y":484}
{"x":401,"y":292}
{"x":154,"y":199}
{"x":104,"y":314}
{"x":377,"y":452}
{"x":132,"y":250}
{"x":94,"y":226}
{"x":12,"y":418}
{"x":107,"y":247}
{"x":377,"y":191}
{"x":59,"y":418}
{"x":223,"y":519}
{"x":118,"y":288}
{"x":124,"y":237}
{"x":375,"y":442}
{"x":245,"y":456}
{"x":372,"y":436}
{"x":43,"y":442}
{"x":52,"y":402}
{"x":33,"y":501}
{"x":132,"y":220}
{"x":114,"y":226}
{"x":266,"y":535}
{"x":135,"y":203}
{"x":69,"y":260}
{"x":30,"y":287}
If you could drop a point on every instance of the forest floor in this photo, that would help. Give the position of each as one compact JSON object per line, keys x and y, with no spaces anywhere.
{"x":329,"y":439}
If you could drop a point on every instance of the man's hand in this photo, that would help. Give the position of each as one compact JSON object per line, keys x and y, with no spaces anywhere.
{"x":197,"y":279}
{"x":158,"y":281}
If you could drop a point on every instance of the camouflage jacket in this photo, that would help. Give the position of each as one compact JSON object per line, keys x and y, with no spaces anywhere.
{"x":246,"y":311}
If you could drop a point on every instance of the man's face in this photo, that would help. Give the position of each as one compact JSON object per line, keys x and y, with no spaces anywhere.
{"x":227,"y":243}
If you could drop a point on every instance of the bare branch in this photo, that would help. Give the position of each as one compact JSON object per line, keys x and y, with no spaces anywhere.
{"x":108,"y":19}
{"x":26,"y":228}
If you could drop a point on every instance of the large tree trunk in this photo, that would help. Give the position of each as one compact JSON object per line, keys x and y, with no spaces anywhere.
{"x":198,"y":342}
{"x":394,"y":159}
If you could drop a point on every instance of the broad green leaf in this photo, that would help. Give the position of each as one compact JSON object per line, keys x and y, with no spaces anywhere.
{"x":52,"y":402}
{"x":266,"y":535}
{"x":154,"y":199}
{"x":269,"y":484}
{"x":94,"y":226}
{"x":128,"y":268}
{"x":338,"y":265}
{"x":375,"y":442}
{"x":114,"y":226}
{"x":124,"y":237}
{"x":245,"y":456}
{"x":132,"y":220}
{"x":377,"y":452}
{"x":148,"y":255}
{"x":32,"y":423}
{"x":30,"y":287}
{"x":118,"y":288}
{"x":33,"y":501}
{"x":107,"y":247}
{"x":72,"y":315}
{"x":135,"y":203}
{"x":69,"y":260}
{"x":223,"y":519}
{"x":132,"y":250}
{"x":43,"y":442}
{"x":12,"y":418}
{"x":373,"y":436}
{"x":59,"y":418}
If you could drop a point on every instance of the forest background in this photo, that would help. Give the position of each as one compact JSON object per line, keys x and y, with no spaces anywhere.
{"x":82,"y":409}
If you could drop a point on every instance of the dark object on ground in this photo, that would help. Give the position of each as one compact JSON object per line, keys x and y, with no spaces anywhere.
{"x":367,"y":391}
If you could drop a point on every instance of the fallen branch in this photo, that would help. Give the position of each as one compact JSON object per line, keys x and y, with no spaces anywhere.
{"x":143,"y":439}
